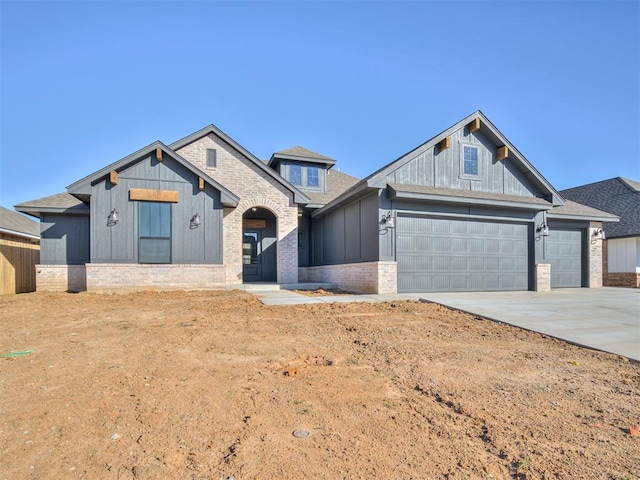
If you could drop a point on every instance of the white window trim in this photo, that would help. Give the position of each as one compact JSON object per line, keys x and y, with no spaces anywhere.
{"x":470,"y":176}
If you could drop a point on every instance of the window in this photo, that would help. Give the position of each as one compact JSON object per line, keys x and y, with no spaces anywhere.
{"x":154,"y":245}
{"x":470,"y":160}
{"x":211,"y":157}
{"x":295,"y":174}
{"x":312,"y":176}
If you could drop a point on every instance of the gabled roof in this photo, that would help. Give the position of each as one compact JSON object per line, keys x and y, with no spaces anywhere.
{"x":378,"y":179}
{"x":58,"y":203}
{"x":15,"y":224}
{"x":298,"y":196}
{"x":618,"y":196}
{"x":300,"y":154}
{"x":82,"y":188}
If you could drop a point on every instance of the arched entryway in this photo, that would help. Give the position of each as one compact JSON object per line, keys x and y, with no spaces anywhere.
{"x":259,"y":246}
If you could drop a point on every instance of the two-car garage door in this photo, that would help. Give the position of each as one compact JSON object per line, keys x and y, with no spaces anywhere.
{"x":455,"y":254}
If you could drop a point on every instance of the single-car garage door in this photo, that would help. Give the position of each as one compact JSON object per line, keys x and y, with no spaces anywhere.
{"x":564,"y":253}
{"x":453,"y":254}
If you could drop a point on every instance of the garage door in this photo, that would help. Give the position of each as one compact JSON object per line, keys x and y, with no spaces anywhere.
{"x":564,"y":253}
{"x":445,"y":254}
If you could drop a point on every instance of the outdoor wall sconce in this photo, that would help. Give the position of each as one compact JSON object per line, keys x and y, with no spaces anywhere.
{"x":195,"y":222}
{"x":598,"y":233}
{"x":387,"y":220}
{"x":543,"y":230}
{"x":113,"y":219}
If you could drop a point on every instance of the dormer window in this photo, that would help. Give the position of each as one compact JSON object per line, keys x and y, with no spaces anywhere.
{"x":295,"y":174}
{"x":312,"y":177}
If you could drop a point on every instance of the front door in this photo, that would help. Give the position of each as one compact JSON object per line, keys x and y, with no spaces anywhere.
{"x":251,"y":255}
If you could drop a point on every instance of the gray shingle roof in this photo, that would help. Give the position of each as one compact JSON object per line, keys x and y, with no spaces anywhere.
{"x":14,"y":222}
{"x":58,"y":203}
{"x":452,"y":192}
{"x":619,"y":196}
{"x":573,"y":209}
{"x":337,"y":183}
{"x":299,"y":151}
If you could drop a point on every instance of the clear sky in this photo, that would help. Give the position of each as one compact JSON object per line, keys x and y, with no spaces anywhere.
{"x":84,"y":84}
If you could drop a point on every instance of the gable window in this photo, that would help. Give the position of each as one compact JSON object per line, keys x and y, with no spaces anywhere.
{"x":154,"y":245}
{"x":295,"y":174}
{"x":470,"y":161}
{"x":211,"y":157}
{"x":312,"y":177}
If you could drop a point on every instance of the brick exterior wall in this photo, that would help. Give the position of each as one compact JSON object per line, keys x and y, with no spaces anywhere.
{"x":367,"y":277}
{"x":543,"y":277}
{"x":61,"y":278}
{"x":132,"y":276}
{"x":594,"y":262}
{"x":255,"y":189}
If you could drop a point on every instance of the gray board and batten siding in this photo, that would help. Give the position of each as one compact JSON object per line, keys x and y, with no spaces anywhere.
{"x":119,"y":243}
{"x":348,"y":234}
{"x":444,"y":169}
{"x":64,"y":239}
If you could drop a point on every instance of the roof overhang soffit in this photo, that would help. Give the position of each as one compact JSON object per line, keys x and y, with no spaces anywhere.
{"x":394,"y":194}
{"x":82,"y":188}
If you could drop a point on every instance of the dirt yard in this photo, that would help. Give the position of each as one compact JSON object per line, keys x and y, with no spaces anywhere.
{"x":213,"y":385}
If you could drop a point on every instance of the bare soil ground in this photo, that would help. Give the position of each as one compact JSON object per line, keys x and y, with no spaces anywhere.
{"x":212,"y":385}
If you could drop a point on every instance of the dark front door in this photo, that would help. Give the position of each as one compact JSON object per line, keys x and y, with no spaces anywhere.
{"x":251,"y":255}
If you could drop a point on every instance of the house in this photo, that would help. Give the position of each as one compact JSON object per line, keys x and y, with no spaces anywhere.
{"x":621,"y":249}
{"x":19,"y":252}
{"x":463,"y":211}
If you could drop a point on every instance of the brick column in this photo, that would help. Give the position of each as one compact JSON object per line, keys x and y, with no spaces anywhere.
{"x":543,"y":277}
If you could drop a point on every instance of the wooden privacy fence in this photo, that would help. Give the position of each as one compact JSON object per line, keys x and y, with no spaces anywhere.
{"x":18,"y":259}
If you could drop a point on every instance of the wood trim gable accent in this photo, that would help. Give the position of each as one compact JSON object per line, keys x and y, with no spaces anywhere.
{"x":149,"y":195}
{"x":503,"y":152}
{"x":200,"y":183}
{"x":474,"y":125}
{"x":254,"y":223}
{"x":113,"y":177}
{"x":159,"y":154}
{"x":444,"y":144}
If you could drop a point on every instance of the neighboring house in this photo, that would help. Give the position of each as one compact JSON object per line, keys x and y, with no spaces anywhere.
{"x":464,"y":211}
{"x":19,"y":252}
{"x":621,"y":257}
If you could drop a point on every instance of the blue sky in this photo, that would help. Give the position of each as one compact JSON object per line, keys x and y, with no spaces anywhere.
{"x":84,"y":84}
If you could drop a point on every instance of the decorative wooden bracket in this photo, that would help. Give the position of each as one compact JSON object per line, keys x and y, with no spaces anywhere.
{"x":474,"y":125}
{"x":113,"y":177}
{"x":159,"y":154}
{"x":444,"y":144}
{"x":201,"y":183}
{"x":503,"y":152}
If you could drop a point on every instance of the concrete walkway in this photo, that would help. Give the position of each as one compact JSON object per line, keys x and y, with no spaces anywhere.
{"x":606,"y":319}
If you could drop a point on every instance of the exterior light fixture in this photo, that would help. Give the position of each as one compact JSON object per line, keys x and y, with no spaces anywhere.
{"x":195,"y":222}
{"x":388,"y":220}
{"x":113,"y":219}
{"x":543,"y":230}
{"x":599,"y":233}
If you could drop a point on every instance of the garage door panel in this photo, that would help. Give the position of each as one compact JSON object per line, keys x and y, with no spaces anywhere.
{"x":564,"y":252}
{"x":461,"y":255}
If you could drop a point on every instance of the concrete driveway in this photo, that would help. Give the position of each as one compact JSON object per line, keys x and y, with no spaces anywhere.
{"x":605,"y":319}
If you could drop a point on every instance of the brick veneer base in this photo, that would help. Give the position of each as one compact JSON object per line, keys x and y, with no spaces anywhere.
{"x":123,"y":276}
{"x":367,"y":277}
{"x":61,"y":278}
{"x":622,"y":280}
